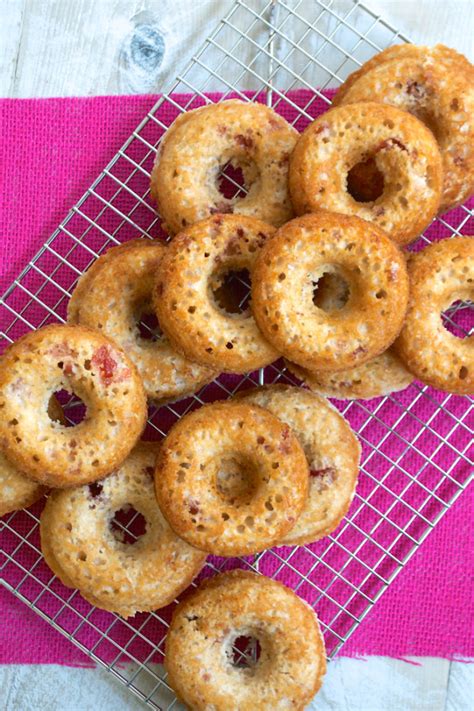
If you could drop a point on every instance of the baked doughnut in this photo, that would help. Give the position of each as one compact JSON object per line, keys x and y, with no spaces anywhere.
{"x":437,"y":86}
{"x":247,"y":135}
{"x":111,"y":297}
{"x":381,"y":376}
{"x":332,"y":451}
{"x":231,"y":479}
{"x":292,"y":263}
{"x":79,"y":360}
{"x":83,"y":550}
{"x":404,"y":151}
{"x":450,"y":59}
{"x":203,"y":668}
{"x":17,"y":491}
{"x":440,"y":274}
{"x":190,"y":273}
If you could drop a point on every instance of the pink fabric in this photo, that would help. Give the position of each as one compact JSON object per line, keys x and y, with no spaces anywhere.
{"x":51,"y":151}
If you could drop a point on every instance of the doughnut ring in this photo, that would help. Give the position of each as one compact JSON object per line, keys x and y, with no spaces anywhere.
{"x":448,"y":58}
{"x":112,"y":295}
{"x":16,"y":490}
{"x":296,"y":258}
{"x":207,"y":626}
{"x":231,"y":479}
{"x":440,"y":92}
{"x":79,"y":360}
{"x":199,"y":143}
{"x":440,"y":274}
{"x":82,"y":549}
{"x":332,"y":451}
{"x":381,"y":376}
{"x":404,"y":150}
{"x":193,"y":268}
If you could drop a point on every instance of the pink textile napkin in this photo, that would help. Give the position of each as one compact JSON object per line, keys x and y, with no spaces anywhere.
{"x":51,"y":151}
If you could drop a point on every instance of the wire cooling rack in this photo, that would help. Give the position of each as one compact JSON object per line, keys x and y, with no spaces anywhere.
{"x":415,"y":444}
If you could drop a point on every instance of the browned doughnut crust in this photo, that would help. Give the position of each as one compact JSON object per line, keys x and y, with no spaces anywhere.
{"x":198,"y":659}
{"x":331,"y":448}
{"x":192,"y":268}
{"x":17,"y":491}
{"x":81,"y":548}
{"x":231,"y":479}
{"x":199,"y":143}
{"x":404,"y":151}
{"x":440,"y":92}
{"x":448,"y":58}
{"x":72,"y":358}
{"x":112,"y":295}
{"x":440,"y":274}
{"x":295,"y":258}
{"x":381,"y":376}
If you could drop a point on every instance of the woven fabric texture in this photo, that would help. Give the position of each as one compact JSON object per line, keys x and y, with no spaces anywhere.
{"x":51,"y":151}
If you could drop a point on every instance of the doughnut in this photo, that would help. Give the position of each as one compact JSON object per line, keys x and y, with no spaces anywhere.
{"x":313,"y":335}
{"x":231,"y":479}
{"x":79,"y":360}
{"x":191,"y":271}
{"x":206,"y":671}
{"x":450,"y":59}
{"x":381,"y":376}
{"x":332,"y":451}
{"x":83,"y":550}
{"x":200,"y":143}
{"x":17,"y":491}
{"x":111,"y":297}
{"x":404,"y":150}
{"x":440,"y":274}
{"x":438,"y":89}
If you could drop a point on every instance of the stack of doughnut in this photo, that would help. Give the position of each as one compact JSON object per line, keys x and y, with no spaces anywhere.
{"x":321,"y":234}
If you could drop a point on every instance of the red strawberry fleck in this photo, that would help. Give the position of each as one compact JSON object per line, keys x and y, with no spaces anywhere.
{"x":193,"y":507}
{"x":108,"y":373}
{"x":244,"y":141}
{"x":285,"y":445}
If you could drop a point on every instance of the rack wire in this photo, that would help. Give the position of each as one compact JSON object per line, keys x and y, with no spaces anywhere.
{"x":416,"y":443}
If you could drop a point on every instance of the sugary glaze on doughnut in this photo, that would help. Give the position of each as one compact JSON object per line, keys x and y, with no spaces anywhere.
{"x":199,"y":657}
{"x":438,"y":88}
{"x":17,"y":491}
{"x":231,"y":479}
{"x":440,"y":275}
{"x":81,"y":548}
{"x":112,"y":295}
{"x":404,"y":150}
{"x":292,"y":262}
{"x":79,"y":360}
{"x":381,"y":376}
{"x":250,"y":136}
{"x":332,"y":451}
{"x":193,"y":267}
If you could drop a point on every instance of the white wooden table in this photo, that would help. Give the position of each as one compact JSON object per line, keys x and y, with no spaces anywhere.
{"x":90,"y":47}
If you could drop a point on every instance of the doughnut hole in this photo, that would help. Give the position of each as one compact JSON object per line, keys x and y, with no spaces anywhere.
{"x":365,"y":182}
{"x":231,"y":291}
{"x":330,"y":291}
{"x":75,"y":410}
{"x":128,"y":525}
{"x":236,"y":482}
{"x":147,"y":324}
{"x":244,"y":651}
{"x":458,"y":319}
{"x":231,"y":181}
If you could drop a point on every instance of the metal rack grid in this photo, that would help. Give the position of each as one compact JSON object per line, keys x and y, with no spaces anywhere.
{"x":415,"y":459}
